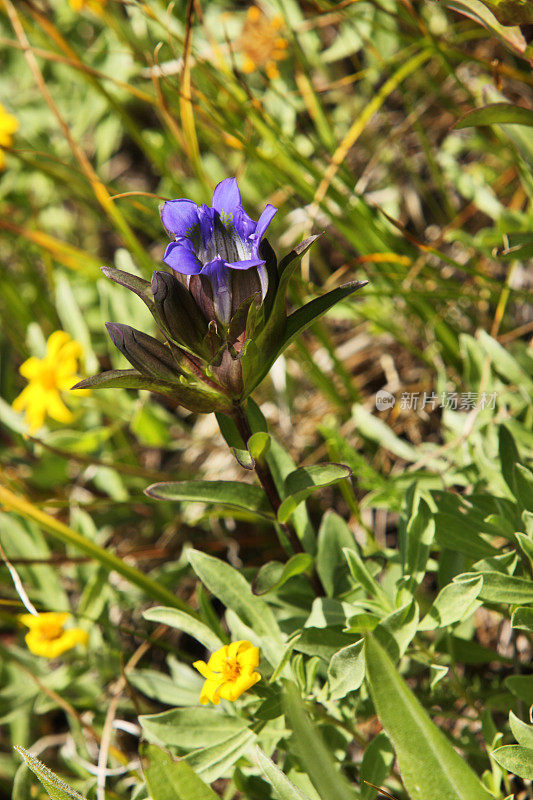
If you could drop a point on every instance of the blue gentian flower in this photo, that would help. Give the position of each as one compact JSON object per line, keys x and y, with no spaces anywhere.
{"x":220,"y":244}
{"x":220,"y":311}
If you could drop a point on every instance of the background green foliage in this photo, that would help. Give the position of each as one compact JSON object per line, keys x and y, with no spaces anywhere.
{"x":425,"y":553}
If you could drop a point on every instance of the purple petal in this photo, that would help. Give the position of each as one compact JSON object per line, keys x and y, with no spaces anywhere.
{"x":250,"y":262}
{"x":226,"y":197}
{"x":206,"y":217}
{"x":262,"y":224}
{"x":179,"y":216}
{"x":219,"y":277}
{"x":180,"y":256}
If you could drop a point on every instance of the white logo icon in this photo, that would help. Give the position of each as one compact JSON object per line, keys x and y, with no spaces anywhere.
{"x":384,"y":400}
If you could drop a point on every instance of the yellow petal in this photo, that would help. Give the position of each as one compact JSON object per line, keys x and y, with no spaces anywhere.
{"x":56,"y":408}
{"x":56,"y":341}
{"x":218,"y":659}
{"x":249,"y":657}
{"x":203,"y":669}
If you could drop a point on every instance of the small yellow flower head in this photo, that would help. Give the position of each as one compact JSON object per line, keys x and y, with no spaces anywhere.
{"x":47,"y":635}
{"x":47,"y":377}
{"x":96,"y":6}
{"x":260,"y":42}
{"x":229,"y":672}
{"x":8,"y":126}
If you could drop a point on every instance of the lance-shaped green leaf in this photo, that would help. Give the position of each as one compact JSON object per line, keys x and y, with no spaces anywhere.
{"x":234,"y":440}
{"x":496,"y":114}
{"x":315,"y":758}
{"x":169,"y":779}
{"x":191,"y":728}
{"x":377,"y":761}
{"x":523,"y":619}
{"x":234,"y":591}
{"x":284,"y":788}
{"x":57,"y":789}
{"x":346,"y":670}
{"x":500,"y":588}
{"x":453,"y":603}
{"x":139,"y":286}
{"x":429,"y":765}
{"x":301,"y":483}
{"x":234,"y":494}
{"x":274,"y":574}
{"x":522,"y":732}
{"x":299,"y":320}
{"x":263,"y":351}
{"x":192,"y":398}
{"x":183,"y":622}
{"x":523,"y":480}
{"x":516,"y":759}
{"x":215,"y":761}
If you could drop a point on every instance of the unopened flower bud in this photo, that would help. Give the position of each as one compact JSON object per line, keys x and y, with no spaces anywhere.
{"x":145,"y":353}
{"x":178,"y":312}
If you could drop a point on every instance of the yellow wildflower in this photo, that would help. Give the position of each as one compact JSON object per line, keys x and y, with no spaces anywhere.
{"x":96,"y":6}
{"x":229,"y":672}
{"x":8,"y":126}
{"x":261,"y":43}
{"x":47,"y":635}
{"x":47,"y":377}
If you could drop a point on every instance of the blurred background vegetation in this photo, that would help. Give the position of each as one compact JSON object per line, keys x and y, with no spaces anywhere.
{"x":342,"y":115}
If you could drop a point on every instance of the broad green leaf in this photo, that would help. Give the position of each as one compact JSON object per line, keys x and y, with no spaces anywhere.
{"x":429,"y":765}
{"x":452,"y":604}
{"x":191,"y":728}
{"x":495,"y":114}
{"x":522,"y":732}
{"x":183,"y":622}
{"x":523,"y":619}
{"x":322,"y":642}
{"x":274,"y":574}
{"x":521,"y":686}
{"x":500,"y":588}
{"x":346,"y":670}
{"x":313,"y":755}
{"x":224,"y":493}
{"x":213,"y":762}
{"x":259,"y":445}
{"x":396,"y":631}
{"x":511,"y":12}
{"x":457,"y":533}
{"x":301,"y":483}
{"x":161,"y":687}
{"x":376,"y":765}
{"x":56,"y":788}
{"x":284,"y":789}
{"x":234,"y":591}
{"x":510,"y":35}
{"x":170,"y":779}
{"x":333,"y":535}
{"x":300,"y":319}
{"x":516,"y":759}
